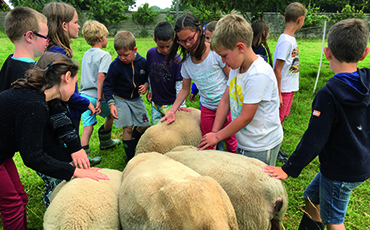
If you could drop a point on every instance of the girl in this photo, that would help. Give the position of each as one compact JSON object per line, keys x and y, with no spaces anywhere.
{"x":24,"y":120}
{"x":63,"y":26}
{"x":261,"y":31}
{"x":205,"y":68}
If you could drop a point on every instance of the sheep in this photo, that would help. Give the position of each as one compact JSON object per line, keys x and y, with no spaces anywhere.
{"x":161,"y":138}
{"x":162,"y":194}
{"x":83,"y":203}
{"x":260,"y":201}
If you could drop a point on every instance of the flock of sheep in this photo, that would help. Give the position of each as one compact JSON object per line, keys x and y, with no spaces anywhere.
{"x":171,"y":185}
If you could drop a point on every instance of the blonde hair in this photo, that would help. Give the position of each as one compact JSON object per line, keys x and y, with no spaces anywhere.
{"x":231,"y":29}
{"x":124,"y":40}
{"x":57,"y":13}
{"x":93,"y":31}
{"x":20,"y":20}
{"x":293,"y":11}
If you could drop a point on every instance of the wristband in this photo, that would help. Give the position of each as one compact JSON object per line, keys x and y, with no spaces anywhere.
{"x":99,"y":100}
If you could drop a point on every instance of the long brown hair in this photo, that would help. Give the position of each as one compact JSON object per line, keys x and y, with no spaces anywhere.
{"x":260,"y":31}
{"x":187,"y":21}
{"x":47,"y":72}
{"x":57,"y":13}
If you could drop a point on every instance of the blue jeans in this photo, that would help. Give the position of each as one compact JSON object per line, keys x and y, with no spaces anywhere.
{"x":332,"y":196}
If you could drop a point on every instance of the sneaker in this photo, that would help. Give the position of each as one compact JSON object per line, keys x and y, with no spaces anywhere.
{"x":282,"y":153}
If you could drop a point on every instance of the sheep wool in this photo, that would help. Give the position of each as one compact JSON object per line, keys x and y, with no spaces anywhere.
{"x":260,"y":201}
{"x":162,"y":194}
{"x":161,"y":138}
{"x":83,"y":203}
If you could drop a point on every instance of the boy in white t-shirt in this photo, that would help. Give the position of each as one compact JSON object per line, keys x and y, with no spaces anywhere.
{"x":95,"y":64}
{"x":286,"y":62}
{"x":251,"y":94}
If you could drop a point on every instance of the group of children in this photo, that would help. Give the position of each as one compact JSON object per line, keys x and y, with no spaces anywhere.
{"x":243,"y":100}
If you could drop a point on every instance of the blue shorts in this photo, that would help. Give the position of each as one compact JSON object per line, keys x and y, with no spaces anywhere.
{"x":332,"y":196}
{"x":88,"y":120}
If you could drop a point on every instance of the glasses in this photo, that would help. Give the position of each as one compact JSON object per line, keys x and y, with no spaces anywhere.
{"x":190,"y":39}
{"x":40,"y":35}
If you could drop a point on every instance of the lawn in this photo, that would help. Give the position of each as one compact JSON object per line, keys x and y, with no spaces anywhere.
{"x":358,"y":214}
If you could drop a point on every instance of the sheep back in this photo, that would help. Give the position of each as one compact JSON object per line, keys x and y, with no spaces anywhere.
{"x":160,"y":193}
{"x":83,"y":203}
{"x":161,"y":138}
{"x":252,"y":192}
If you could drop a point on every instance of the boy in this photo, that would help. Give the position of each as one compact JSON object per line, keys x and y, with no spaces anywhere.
{"x":127,"y":80}
{"x":286,"y":62}
{"x":95,"y":64}
{"x":252,"y":94}
{"x":27,"y":29}
{"x":338,"y":131}
{"x":165,"y":81}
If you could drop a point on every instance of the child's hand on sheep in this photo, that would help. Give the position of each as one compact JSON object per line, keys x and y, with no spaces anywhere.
{"x":209,"y":139}
{"x":80,"y":159}
{"x":276,"y":172}
{"x":90,"y":173}
{"x":169,"y":117}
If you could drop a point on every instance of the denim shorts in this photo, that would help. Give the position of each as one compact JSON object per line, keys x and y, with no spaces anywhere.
{"x":332,"y":196}
{"x":88,"y":120}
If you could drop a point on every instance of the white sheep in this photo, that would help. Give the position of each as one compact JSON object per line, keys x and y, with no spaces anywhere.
{"x":162,"y":194}
{"x":83,"y":203}
{"x":161,"y":138}
{"x":260,"y":201}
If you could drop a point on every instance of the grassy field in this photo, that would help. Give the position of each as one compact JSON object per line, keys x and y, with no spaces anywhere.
{"x":358,"y":214}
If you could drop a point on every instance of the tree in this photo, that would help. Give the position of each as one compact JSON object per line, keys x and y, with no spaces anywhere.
{"x":334,"y":6}
{"x":108,"y":11}
{"x":34,"y":4}
{"x":348,"y":12}
{"x":250,"y":9}
{"x":144,"y":16}
{"x":202,"y":12}
{"x":313,"y":17}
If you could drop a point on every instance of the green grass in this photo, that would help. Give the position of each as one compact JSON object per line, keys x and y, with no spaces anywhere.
{"x":358,"y":214}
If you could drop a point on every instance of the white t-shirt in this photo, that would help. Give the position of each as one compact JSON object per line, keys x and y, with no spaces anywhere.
{"x":209,"y":77}
{"x":257,"y":85}
{"x":287,"y":50}
{"x":94,"y":61}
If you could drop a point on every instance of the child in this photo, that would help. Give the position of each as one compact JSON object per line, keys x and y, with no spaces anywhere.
{"x":205,"y":68}
{"x":95,"y":64}
{"x":209,"y":30}
{"x":27,"y":29}
{"x":286,"y":61}
{"x":338,"y":131}
{"x":62,"y":23}
{"x":63,"y":26}
{"x":127,"y":80}
{"x":24,"y":117}
{"x":261,"y":31}
{"x":20,"y":26}
{"x":251,"y":95}
{"x":165,"y":81}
